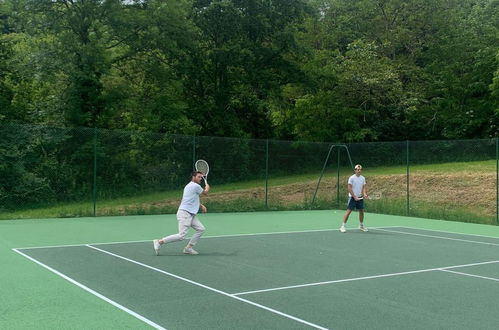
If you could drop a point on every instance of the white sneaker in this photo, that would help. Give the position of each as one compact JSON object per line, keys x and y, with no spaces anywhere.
{"x":364,"y":229}
{"x":156,"y":246}
{"x":342,"y":229}
{"x":190,"y":251}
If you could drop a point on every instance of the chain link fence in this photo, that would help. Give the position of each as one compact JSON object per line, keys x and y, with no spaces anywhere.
{"x":67,"y":172}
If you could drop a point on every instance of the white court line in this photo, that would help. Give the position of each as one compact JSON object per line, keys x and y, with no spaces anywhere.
{"x":269,"y":233}
{"x":444,"y":231}
{"x":75,"y":245}
{"x":471,"y":275}
{"x":211,"y":289}
{"x":441,"y":237}
{"x":95,"y":293}
{"x":364,"y":278}
{"x":219,"y":236}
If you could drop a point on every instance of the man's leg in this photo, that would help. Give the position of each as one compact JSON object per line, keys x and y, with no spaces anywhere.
{"x":347,"y":214}
{"x":345,"y":219}
{"x":184,"y":219}
{"x":361,"y":220}
{"x":350,"y":207}
{"x":198,"y":226}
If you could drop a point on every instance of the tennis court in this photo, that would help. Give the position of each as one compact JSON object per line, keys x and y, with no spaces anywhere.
{"x":286,"y":270}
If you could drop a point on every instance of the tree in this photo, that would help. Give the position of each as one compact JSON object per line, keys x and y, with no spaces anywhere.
{"x":414,"y":69}
{"x":494,"y":119}
{"x":6,"y":93}
{"x":144,"y":89}
{"x":242,"y":57}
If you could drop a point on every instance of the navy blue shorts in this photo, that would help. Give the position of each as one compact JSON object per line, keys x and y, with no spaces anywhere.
{"x":353,"y":204}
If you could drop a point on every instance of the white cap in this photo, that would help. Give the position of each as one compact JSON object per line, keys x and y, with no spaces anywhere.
{"x":358,"y":166}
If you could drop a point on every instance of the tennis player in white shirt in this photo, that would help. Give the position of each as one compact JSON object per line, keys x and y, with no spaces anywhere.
{"x":187,"y":215}
{"x":357,"y":191}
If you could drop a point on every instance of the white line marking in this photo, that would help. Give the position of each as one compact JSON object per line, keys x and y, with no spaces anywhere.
{"x":444,"y":231}
{"x":472,"y":275}
{"x":210,"y":288}
{"x":95,"y":293}
{"x":364,"y":278}
{"x":76,"y":245}
{"x":441,"y":237}
{"x":219,"y":236}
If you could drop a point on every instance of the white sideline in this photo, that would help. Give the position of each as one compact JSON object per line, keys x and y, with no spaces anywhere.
{"x":365,"y":278}
{"x":95,"y":293}
{"x":471,"y":275}
{"x":444,"y":231}
{"x":211,"y":289}
{"x":434,"y":236}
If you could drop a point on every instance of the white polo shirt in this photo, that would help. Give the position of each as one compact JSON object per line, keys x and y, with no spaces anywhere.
{"x":357,"y":183}
{"x":190,"y":199}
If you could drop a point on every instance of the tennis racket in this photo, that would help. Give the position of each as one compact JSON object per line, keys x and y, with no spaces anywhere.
{"x":203,"y":167}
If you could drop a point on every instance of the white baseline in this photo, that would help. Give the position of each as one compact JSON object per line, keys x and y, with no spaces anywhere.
{"x":204,"y":237}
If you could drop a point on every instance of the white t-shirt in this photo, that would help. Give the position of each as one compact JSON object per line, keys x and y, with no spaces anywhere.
{"x":190,"y":199}
{"x":357,"y":183}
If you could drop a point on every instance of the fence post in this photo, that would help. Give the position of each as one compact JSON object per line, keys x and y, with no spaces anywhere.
{"x":497,"y":180}
{"x":94,"y":190}
{"x":407,"y":178}
{"x":338,"y":181}
{"x":266,"y":173}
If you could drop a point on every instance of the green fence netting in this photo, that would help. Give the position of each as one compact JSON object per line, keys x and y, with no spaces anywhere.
{"x":66,"y":172}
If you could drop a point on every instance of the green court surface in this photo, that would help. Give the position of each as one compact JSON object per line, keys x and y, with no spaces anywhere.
{"x":262,"y":270}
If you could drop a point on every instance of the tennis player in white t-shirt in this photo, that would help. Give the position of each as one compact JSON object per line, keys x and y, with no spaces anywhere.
{"x":187,"y":215}
{"x":357,"y":191}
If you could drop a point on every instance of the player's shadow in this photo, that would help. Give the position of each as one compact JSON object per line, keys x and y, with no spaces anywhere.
{"x":201,"y":254}
{"x":217,"y":254}
{"x":370,"y":232}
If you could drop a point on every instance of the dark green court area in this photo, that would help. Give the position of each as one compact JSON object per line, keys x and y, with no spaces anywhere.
{"x":387,"y":278}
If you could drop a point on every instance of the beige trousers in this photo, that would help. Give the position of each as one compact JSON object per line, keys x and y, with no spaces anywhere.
{"x":186,"y":220}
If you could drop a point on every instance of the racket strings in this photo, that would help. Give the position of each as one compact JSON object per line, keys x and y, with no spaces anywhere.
{"x":202,"y":166}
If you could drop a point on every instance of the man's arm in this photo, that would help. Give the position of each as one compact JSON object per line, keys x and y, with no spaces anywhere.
{"x":203,"y":208}
{"x":364,"y":191}
{"x":206,"y":189}
{"x":204,"y":192}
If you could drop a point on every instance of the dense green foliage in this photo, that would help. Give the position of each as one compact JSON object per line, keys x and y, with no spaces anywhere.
{"x":155,"y":75}
{"x":322,"y":70}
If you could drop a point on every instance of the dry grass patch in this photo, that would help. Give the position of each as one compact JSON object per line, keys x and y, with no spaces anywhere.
{"x":473,"y":191}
